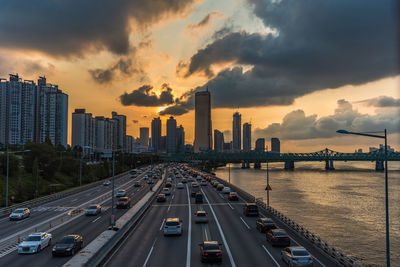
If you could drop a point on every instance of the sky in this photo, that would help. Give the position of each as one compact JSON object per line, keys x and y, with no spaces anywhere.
{"x":296,"y":69}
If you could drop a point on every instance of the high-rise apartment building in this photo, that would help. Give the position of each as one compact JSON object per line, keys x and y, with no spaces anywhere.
{"x":260,"y":144}
{"x":246,"y":137}
{"x":144,"y":136}
{"x":30,"y":112}
{"x":218,"y":141}
{"x":120,"y":132}
{"x":180,"y":139}
{"x":203,"y":127}
{"x":275,"y":145}
{"x":83,"y":130}
{"x":171,"y":135}
{"x":156,"y":134}
{"x":236,"y":132}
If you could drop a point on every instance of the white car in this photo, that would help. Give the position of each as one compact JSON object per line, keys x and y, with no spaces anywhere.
{"x":179,"y":186}
{"x":106,"y":183}
{"x":121,"y":193}
{"x":20,"y":214}
{"x":35,"y":243}
{"x":173,"y":226}
{"x":226,"y":190}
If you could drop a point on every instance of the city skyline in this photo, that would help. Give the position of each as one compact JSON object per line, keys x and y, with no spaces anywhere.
{"x":138,"y":73}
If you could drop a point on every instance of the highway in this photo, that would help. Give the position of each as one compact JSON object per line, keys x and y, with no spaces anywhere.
{"x":243,"y":245}
{"x":87,"y":226}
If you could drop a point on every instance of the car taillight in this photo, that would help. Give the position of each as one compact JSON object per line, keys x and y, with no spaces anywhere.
{"x":205,"y":254}
{"x":311,"y":258}
{"x":293,"y":258}
{"x":287,"y":238}
{"x":218,"y":253}
{"x":276,"y":238}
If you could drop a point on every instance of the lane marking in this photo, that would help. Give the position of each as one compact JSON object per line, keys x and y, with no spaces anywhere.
{"x":162,"y":224}
{"x":96,"y":219}
{"x":230,"y":206}
{"x":205,"y":232}
{"x":169,"y":207}
{"x":248,"y":227}
{"x":189,"y":230}
{"x":75,"y":199}
{"x":173,"y":196}
{"x":148,"y":256}
{"x":221,"y":232}
{"x":266,"y":250}
{"x":221,"y":196}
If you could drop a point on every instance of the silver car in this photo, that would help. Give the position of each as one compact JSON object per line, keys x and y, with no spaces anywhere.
{"x":121,"y":193}
{"x":20,"y":214}
{"x":297,"y":256}
{"x":34,"y":243}
{"x":179,"y":186}
{"x":93,"y":209}
{"x":200,"y":217}
{"x":173,"y":226}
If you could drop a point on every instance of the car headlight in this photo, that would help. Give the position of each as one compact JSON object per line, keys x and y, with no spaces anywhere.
{"x":54,"y":248}
{"x":68,"y":249}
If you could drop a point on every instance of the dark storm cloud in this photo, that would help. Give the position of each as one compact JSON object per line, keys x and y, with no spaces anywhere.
{"x":182,"y":105}
{"x":382,"y":102}
{"x":319,"y":44}
{"x":145,"y":97}
{"x":297,"y":126}
{"x":65,"y":28}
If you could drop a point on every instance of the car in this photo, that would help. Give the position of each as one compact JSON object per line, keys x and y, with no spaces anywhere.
{"x":184,"y":180}
{"x":265,"y":224}
{"x":150,"y":182}
{"x":190,"y":179}
{"x":145,"y":177}
{"x":200,"y":216}
{"x":199,"y":178}
{"x":173,"y":226}
{"x":168,"y":185}
{"x":19,"y":214}
{"x":278,"y":237}
{"x":210,"y":251}
{"x":166,"y":191}
{"x":220,"y":187}
{"x":226,"y":190}
{"x":233,"y":196}
{"x":194,"y":184}
{"x":198,"y":198}
{"x":297,"y":256}
{"x":203,"y":183}
{"x":215,"y":184}
{"x":93,"y":209}
{"x":161,"y":198}
{"x":133,"y":172}
{"x":250,"y":209}
{"x":68,"y":245}
{"x":180,"y":186}
{"x":136,"y":184}
{"x":169,"y":180}
{"x":34,"y":243}
{"x":106,"y":183}
{"x":194,"y":191}
{"x":121,"y":193}
{"x":123,"y":202}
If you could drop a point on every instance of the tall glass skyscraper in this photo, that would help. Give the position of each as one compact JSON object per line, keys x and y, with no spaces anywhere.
{"x":236,"y":132}
{"x":202,"y":131}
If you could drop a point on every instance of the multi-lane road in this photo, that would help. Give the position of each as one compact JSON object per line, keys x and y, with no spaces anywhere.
{"x":242,"y":244}
{"x":87,"y":226}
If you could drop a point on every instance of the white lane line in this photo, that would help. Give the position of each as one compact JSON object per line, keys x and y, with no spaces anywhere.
{"x":230,"y":206}
{"x":248,"y":227}
{"x":221,"y":196}
{"x":169,"y":207}
{"x":266,"y":250}
{"x":173,"y":196}
{"x":96,"y":219}
{"x":221,"y":232}
{"x":162,"y":224}
{"x":205,"y":232}
{"x":189,"y":230}
{"x":148,"y":256}
{"x":75,"y":199}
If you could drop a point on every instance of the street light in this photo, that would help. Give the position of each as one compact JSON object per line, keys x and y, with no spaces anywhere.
{"x":8,"y":160}
{"x":386,"y":186}
{"x":112,"y":219}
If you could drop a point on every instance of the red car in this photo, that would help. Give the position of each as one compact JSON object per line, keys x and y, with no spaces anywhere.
{"x":124,"y":202}
{"x":233,"y":196}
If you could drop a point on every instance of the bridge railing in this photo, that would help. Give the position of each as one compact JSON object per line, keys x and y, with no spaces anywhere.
{"x":320,"y":243}
{"x":38,"y":201}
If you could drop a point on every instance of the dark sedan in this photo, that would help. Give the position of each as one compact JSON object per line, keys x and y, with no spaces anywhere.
{"x":278,"y":237}
{"x":265,"y":224}
{"x":68,"y":245}
{"x":210,"y":251}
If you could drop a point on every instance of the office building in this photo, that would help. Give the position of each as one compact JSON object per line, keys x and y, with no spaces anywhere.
{"x":246,"y":137}
{"x":180,"y":139}
{"x":30,"y":112}
{"x":144,"y":136}
{"x":163,"y":143}
{"x":236,"y":132}
{"x":218,"y":141}
{"x":171,"y":135}
{"x":228,"y":147}
{"x":202,"y":132}
{"x":275,"y":145}
{"x":156,"y":134}
{"x":120,"y":131}
{"x":260,"y":144}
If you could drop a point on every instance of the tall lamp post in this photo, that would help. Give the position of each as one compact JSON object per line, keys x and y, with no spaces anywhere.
{"x":8,"y":161}
{"x":112,"y":219}
{"x":267,"y":188}
{"x":386,"y":186}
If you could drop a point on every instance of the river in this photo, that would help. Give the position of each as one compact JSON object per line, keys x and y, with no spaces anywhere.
{"x":346,"y":207}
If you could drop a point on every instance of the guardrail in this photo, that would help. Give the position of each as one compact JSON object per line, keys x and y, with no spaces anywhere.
{"x":339,"y":256}
{"x":38,"y":201}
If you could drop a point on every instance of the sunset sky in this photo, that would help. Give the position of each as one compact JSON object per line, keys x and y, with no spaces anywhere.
{"x":296,"y":69}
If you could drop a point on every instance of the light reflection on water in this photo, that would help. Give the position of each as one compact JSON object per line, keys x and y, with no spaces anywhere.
{"x":346,"y":206}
